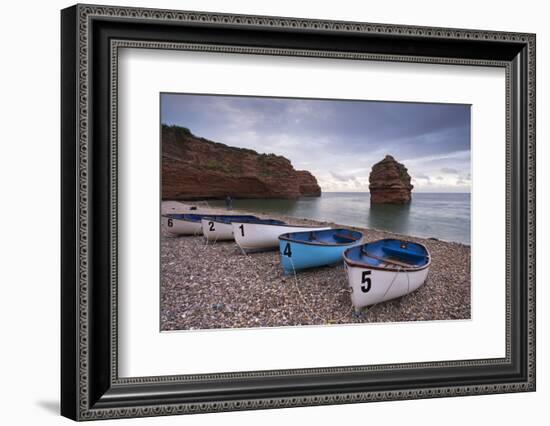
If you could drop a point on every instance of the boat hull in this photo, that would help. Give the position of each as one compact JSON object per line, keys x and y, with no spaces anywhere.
{"x":181,"y":226}
{"x":370,"y":286}
{"x":215,"y":230}
{"x":302,"y":250}
{"x":296,"y":256}
{"x":257,"y":236}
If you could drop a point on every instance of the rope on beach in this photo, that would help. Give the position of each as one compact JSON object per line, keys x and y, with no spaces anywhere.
{"x":388,"y":289}
{"x":246,"y":255}
{"x":200,"y":248}
{"x":307,"y":304}
{"x":301,"y":295}
{"x":207,"y":240}
{"x":216,"y":239}
{"x":345,"y":290}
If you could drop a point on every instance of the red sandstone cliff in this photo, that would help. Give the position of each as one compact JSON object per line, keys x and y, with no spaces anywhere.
{"x":390,"y":182}
{"x":195,"y":168}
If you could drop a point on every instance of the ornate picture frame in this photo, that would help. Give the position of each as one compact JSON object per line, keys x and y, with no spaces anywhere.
{"x":91,"y":37}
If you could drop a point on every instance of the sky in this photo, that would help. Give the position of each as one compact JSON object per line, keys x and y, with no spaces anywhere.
{"x":337,"y":141}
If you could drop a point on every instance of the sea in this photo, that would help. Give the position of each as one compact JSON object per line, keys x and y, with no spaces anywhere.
{"x":445,"y":216}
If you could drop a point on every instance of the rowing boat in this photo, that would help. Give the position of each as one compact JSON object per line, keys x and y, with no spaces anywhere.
{"x":264,"y":234}
{"x":182,"y":224}
{"x":301,"y":250}
{"x":384,"y":270}
{"x":188,"y":224}
{"x":219,"y":228}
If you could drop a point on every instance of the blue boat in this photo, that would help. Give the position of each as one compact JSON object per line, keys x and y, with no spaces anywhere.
{"x":301,"y":250}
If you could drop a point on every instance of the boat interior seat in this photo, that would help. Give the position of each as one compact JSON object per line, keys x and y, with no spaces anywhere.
{"x":313,"y":238}
{"x":344,"y":237}
{"x":403,"y":253}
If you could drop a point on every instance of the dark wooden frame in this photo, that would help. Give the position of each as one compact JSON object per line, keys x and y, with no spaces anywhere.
{"x":90,"y":386}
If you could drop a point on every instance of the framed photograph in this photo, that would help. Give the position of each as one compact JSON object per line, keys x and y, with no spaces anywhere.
{"x":289,"y":243}
{"x":263,"y":212}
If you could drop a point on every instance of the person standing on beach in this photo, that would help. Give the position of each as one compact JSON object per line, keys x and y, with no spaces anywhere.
{"x":228,"y":203}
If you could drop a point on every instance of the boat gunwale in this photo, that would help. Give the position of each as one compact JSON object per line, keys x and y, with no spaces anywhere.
{"x":205,"y":216}
{"x":354,"y":263}
{"x":325,"y":228}
{"x":319,"y":243}
{"x":212,"y":219}
{"x":184,"y":219}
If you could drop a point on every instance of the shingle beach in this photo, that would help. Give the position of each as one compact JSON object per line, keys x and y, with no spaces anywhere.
{"x":215,"y":285}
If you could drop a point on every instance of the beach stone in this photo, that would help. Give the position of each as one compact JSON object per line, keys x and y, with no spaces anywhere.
{"x":225,"y":293}
{"x":390,"y":182}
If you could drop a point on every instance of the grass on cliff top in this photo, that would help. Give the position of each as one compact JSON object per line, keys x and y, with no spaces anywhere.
{"x":265,"y":161}
{"x":181,"y":133}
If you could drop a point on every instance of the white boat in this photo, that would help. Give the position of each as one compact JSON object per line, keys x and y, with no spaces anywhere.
{"x":384,"y":270}
{"x":264,"y":234}
{"x":219,"y":228}
{"x":182,"y":224}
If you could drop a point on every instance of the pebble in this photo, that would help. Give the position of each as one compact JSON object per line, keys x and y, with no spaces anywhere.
{"x":217,"y":286}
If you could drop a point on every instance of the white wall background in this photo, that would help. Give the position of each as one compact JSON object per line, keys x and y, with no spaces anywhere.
{"x":29,"y":212}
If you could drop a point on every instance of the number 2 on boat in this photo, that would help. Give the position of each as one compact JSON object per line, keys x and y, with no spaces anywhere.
{"x":365,"y":279}
{"x":211,"y":226}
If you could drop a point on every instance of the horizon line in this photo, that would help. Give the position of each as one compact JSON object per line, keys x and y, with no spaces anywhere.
{"x":412,"y":193}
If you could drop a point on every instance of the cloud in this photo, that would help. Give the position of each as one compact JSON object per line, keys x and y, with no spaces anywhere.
{"x":342,"y":178}
{"x":464,"y":180}
{"x":337,"y":141}
{"x":421,"y":177}
{"x":438,"y":158}
{"x":449,"y":170}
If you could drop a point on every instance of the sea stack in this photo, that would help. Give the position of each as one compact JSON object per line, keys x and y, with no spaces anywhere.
{"x":390,"y":182}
